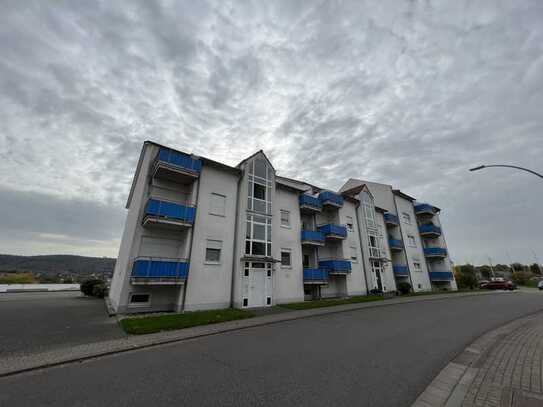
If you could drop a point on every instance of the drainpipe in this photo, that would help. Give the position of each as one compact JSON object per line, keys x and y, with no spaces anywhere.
{"x":361,"y":248}
{"x":234,"y":255}
{"x":403,"y":244}
{"x":185,"y":288}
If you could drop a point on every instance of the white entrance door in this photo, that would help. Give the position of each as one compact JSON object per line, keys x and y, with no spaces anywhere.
{"x":256,"y":288}
{"x":257,"y":285}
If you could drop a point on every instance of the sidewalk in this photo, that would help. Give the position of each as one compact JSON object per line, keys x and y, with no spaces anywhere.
{"x":14,"y":365}
{"x":503,"y":368}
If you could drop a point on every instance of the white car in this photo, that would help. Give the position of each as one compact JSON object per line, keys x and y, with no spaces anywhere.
{"x":540,"y":285}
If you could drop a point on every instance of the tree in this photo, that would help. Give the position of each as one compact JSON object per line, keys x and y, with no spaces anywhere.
{"x":520,"y":277}
{"x":486,"y":271}
{"x":466,"y":277}
{"x":535,"y":268}
{"x":517,"y":267}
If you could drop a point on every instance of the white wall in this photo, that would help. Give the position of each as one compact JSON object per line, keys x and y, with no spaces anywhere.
{"x":355,"y":281}
{"x":209,"y":285}
{"x":420,"y":279}
{"x":288,"y":281}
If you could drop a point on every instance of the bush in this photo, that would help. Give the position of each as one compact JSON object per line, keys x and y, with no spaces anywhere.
{"x":87,"y":286}
{"x":404,"y":288}
{"x":520,"y":277}
{"x":99,"y":290}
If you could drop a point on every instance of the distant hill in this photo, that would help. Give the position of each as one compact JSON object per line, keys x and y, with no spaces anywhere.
{"x":57,"y":264}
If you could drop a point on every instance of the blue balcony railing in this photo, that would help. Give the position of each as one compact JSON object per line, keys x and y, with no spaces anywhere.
{"x":170,"y":210}
{"x":391,"y":219}
{"x":401,"y":271}
{"x":159,"y":268}
{"x":312,"y":236}
{"x":315,"y":275}
{"x":335,"y":266}
{"x":430,"y":229}
{"x":424,"y":208}
{"x":395,"y":244}
{"x":330,"y":230}
{"x":441,"y":276}
{"x":435,"y":252}
{"x":179,"y":160}
{"x":330,"y":198}
{"x":311,"y":202}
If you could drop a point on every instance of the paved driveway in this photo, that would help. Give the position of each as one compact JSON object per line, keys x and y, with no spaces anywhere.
{"x":34,"y":322}
{"x":381,"y":356}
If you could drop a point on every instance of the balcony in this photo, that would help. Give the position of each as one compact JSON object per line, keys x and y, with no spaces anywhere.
{"x":429,"y":230}
{"x":395,"y":244}
{"x":335,"y":266}
{"x":425,"y":209}
{"x":391,"y":219}
{"x":168,"y":215}
{"x":400,"y":271}
{"x":177,"y":167}
{"x":315,"y":276}
{"x":313,"y":238}
{"x":159,"y":271}
{"x":435,"y":252}
{"x":329,"y":198}
{"x":310,"y":204}
{"x":331,"y":231}
{"x":441,"y":276}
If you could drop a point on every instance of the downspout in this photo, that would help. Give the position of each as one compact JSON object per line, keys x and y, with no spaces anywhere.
{"x":186,"y":286}
{"x":403,"y":243}
{"x":234,"y":255}
{"x":361,"y":248}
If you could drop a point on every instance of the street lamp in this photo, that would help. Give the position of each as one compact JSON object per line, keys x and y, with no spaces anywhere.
{"x":480,"y":167}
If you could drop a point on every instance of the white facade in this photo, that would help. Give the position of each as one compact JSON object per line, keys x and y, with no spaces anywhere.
{"x":203,"y":235}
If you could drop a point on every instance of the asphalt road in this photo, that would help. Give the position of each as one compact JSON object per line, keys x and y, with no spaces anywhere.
{"x":37,"y":322}
{"x":381,"y":356}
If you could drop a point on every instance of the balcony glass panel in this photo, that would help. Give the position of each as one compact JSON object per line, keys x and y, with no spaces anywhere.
{"x":335,"y":266}
{"x":312,"y":235}
{"x":170,"y":210}
{"x":333,"y":230}
{"x":160,"y":268}
{"x":435,"y":251}
{"x":430,"y":228}
{"x":331,"y":197}
{"x":401,"y":271}
{"x":311,"y":201}
{"x":391,"y":219}
{"x":315,"y":275}
{"x":441,"y":276}
{"x":179,"y":160}
{"x":395,"y":243}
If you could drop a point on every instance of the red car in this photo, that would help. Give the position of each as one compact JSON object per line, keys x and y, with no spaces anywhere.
{"x":499,"y":285}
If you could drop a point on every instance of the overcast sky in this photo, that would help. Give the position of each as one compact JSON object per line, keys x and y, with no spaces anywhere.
{"x":411,"y":93}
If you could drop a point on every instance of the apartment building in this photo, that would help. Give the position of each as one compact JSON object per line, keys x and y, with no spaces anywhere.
{"x":200,"y":234}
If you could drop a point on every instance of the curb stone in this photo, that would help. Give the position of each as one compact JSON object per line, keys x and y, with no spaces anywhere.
{"x":451,"y":386}
{"x":14,"y":365}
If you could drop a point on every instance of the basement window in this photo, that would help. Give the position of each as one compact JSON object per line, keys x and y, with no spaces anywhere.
{"x":140,"y":299}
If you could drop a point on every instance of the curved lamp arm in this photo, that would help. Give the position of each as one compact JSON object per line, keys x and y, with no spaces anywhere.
{"x":508,"y":166}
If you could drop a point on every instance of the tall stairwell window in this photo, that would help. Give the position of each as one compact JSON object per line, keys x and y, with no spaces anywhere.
{"x":260,"y":183}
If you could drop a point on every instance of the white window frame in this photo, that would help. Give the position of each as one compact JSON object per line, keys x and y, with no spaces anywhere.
{"x":355,"y":252}
{"x":350,"y":223}
{"x":251,"y":221}
{"x":415,"y":268}
{"x":287,"y":213}
{"x":212,"y":210}
{"x":213,"y":244}
{"x":286,"y":266}
{"x":412,"y":242}
{"x":406,"y":218}
{"x":139,"y":304}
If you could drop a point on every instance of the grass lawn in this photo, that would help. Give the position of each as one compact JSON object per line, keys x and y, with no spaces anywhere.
{"x":152,"y":324}
{"x":331,"y":302}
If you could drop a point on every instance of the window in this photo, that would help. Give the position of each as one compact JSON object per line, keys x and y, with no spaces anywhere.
{"x":217,"y":204}
{"x":369,"y":210}
{"x":285,"y":218}
{"x":140,"y":299}
{"x":350,"y":223}
{"x":258,"y":236}
{"x":406,"y":218}
{"x":259,"y":186}
{"x":374,"y":246}
{"x":354,"y":255}
{"x":416,"y":266}
{"x":245,"y":302}
{"x":285,"y":258}
{"x":411,"y":241}
{"x":213,"y":251}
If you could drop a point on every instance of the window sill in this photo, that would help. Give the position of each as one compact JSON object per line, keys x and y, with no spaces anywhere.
{"x":212,"y":263}
{"x":286,"y":267}
{"x":286,"y":227}
{"x":216,"y":214}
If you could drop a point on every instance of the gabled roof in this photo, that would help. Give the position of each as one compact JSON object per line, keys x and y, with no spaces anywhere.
{"x":400,"y":193}
{"x":356,"y":190}
{"x":254,"y":155}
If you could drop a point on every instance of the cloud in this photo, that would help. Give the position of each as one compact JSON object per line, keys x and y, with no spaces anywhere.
{"x":410,"y":93}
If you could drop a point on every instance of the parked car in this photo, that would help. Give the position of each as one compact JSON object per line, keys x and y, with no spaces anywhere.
{"x":540,"y":285}
{"x":499,"y":285}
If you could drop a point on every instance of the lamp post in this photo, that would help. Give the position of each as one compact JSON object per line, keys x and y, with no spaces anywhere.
{"x":508,"y":166}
